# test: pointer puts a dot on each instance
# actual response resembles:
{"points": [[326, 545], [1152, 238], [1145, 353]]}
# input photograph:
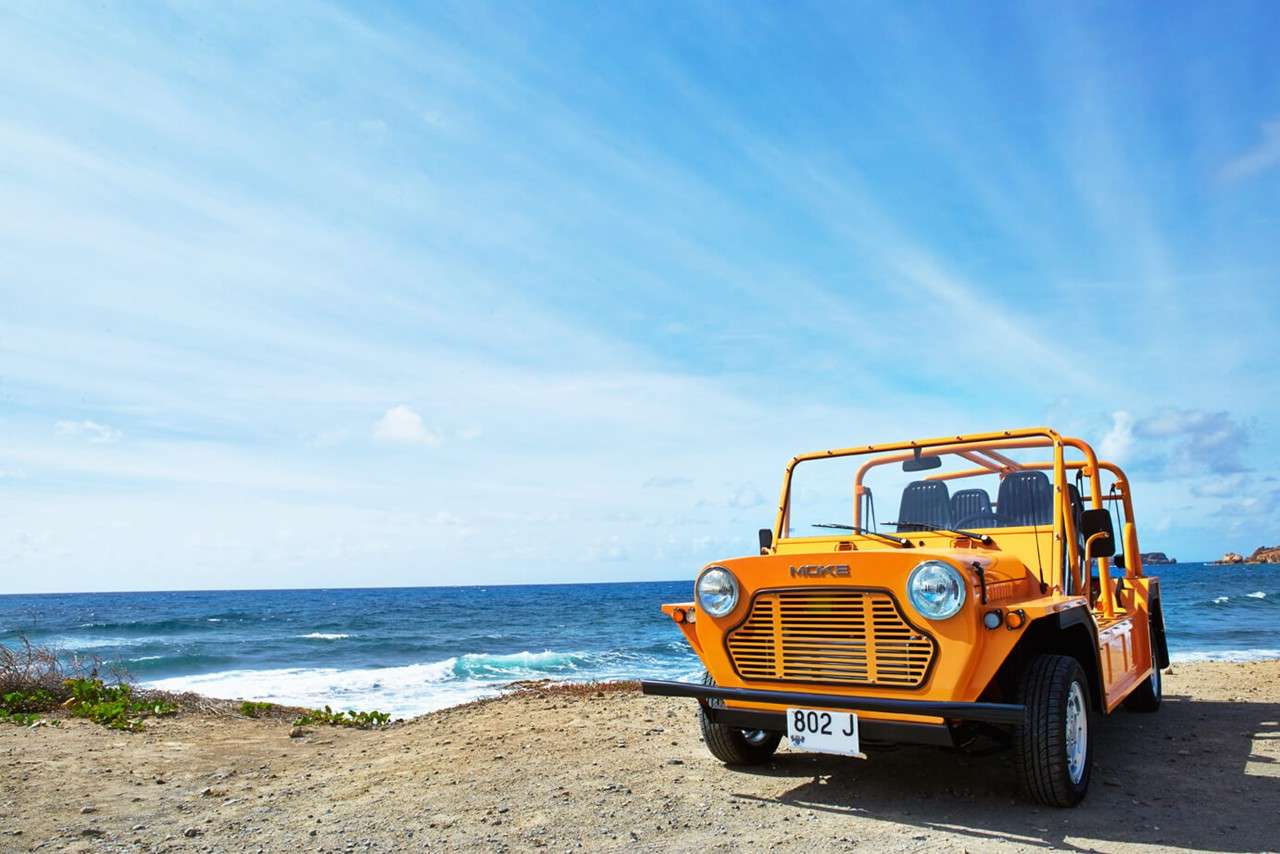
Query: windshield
{"points": [[964, 491]]}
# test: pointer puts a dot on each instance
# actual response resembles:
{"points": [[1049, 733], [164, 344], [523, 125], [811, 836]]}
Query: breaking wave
{"points": [[1232, 655], [403, 690]]}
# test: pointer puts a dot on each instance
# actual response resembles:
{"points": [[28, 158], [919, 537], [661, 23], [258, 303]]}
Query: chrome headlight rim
{"points": [[956, 604], [724, 607]]}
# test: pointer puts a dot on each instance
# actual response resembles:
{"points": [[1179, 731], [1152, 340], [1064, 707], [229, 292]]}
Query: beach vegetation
{"points": [[256, 708], [24, 707], [35, 681], [351, 718], [113, 706]]}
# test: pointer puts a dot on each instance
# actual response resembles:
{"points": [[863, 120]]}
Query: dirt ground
{"points": [[622, 771]]}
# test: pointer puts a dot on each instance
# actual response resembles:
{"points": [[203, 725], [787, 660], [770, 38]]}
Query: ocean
{"points": [[413, 650]]}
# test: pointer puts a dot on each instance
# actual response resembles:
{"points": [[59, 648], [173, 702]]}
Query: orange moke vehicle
{"points": [[997, 601]]}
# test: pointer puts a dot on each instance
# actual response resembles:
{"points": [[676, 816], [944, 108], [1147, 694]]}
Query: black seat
{"points": [[1025, 498], [926, 502], [972, 507]]}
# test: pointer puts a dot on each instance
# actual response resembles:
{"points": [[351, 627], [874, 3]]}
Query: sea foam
{"points": [[404, 690], [1231, 655]]}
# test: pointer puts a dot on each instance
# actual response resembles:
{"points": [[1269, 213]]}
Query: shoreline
{"points": [[485, 691], [605, 767]]}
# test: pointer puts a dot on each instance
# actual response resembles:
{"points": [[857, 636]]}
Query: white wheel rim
{"points": [[1077, 733]]}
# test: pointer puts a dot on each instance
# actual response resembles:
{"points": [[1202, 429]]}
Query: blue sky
{"points": [[313, 295]]}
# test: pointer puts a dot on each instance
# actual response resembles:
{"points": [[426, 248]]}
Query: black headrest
{"points": [[927, 502], [970, 504], [1025, 498]]}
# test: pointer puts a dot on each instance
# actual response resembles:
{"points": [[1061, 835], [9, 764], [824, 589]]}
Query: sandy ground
{"points": [[622, 771]]}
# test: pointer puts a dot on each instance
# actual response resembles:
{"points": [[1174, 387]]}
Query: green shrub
{"points": [[36, 679], [113, 706], [19, 718], [24, 707], [352, 718], [255, 709]]}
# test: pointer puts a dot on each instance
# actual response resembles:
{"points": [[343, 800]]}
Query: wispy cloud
{"points": [[238, 279], [92, 431], [667, 482], [1262, 157]]}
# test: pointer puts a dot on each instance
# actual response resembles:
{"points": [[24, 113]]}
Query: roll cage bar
{"points": [[983, 449]]}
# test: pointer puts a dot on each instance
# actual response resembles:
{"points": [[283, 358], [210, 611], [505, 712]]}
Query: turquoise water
{"points": [[411, 650]]}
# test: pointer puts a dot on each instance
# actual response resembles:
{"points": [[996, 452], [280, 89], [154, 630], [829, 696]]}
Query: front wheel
{"points": [[732, 745], [1053, 746]]}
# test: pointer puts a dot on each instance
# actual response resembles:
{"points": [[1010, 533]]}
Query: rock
{"points": [[675, 761], [93, 831], [192, 832], [139, 827], [85, 810], [297, 732]]}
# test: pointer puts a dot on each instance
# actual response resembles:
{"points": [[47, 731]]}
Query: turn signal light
{"points": [[678, 615], [1015, 619]]}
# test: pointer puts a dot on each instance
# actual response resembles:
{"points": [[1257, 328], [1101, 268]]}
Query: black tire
{"points": [[734, 746], [1054, 768], [1146, 697]]}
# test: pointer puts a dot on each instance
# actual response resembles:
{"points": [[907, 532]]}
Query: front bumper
{"points": [[1005, 714]]}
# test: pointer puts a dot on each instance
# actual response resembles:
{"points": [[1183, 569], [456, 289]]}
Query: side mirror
{"points": [[766, 539], [919, 463], [1098, 522]]}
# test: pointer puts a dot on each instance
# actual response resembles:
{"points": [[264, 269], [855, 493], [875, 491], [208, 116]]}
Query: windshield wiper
{"points": [[925, 526], [906, 544]]}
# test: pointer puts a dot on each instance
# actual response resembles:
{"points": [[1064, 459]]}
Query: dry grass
{"points": [[548, 688], [32, 668]]}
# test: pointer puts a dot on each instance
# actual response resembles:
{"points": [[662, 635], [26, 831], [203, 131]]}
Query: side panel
{"points": [[1126, 646]]}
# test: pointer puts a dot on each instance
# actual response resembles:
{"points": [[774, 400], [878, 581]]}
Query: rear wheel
{"points": [[732, 745], [1146, 697], [1053, 746]]}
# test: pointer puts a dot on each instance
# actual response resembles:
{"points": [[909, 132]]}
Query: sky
{"points": [[310, 295]]}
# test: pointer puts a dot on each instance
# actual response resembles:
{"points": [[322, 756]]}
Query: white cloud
{"points": [[745, 496], [1263, 156], [667, 482], [90, 430], [1196, 440], [1225, 486], [607, 549], [1116, 443], [401, 425]]}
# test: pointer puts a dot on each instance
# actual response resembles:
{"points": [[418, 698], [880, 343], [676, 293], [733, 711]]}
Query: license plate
{"points": [[824, 732]]}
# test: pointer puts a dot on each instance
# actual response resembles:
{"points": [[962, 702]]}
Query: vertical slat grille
{"points": [[831, 635]]}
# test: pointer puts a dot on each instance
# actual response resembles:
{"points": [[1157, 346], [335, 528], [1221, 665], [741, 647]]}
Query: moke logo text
{"points": [[817, 571]]}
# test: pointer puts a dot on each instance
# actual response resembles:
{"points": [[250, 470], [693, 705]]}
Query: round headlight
{"points": [[936, 589], [717, 591]]}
